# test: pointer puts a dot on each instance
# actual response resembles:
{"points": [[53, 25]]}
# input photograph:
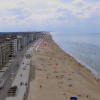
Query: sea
{"points": [[84, 47]]}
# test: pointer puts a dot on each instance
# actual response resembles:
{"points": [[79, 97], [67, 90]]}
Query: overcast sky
{"points": [[50, 15]]}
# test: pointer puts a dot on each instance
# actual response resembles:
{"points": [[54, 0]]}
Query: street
{"points": [[11, 72]]}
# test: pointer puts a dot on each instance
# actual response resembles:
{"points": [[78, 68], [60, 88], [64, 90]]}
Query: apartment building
{"points": [[4, 53], [13, 47], [11, 43]]}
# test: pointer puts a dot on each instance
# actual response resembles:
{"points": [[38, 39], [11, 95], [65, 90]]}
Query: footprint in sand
{"points": [[59, 86], [57, 77], [40, 86], [60, 82], [64, 71], [79, 95], [61, 76], [64, 94], [47, 77], [55, 72], [69, 79], [69, 85]]}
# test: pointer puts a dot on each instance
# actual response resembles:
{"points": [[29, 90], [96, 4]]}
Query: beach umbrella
{"points": [[56, 64]]}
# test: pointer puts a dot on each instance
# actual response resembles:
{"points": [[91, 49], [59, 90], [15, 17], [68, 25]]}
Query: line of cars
{"points": [[2, 72], [12, 90], [2, 81]]}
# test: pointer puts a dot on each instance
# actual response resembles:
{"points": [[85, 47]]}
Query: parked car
{"points": [[2, 70], [12, 91], [2, 83]]}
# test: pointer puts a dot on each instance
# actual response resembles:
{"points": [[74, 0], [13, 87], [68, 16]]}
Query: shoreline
{"points": [[97, 75], [53, 71], [79, 61]]}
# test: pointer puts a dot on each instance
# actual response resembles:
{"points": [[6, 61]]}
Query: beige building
{"points": [[4, 53]]}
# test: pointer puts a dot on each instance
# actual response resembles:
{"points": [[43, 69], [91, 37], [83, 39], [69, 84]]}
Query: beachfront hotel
{"points": [[11, 43]]}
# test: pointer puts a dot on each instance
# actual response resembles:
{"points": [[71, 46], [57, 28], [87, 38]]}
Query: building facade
{"points": [[11, 43], [4, 53]]}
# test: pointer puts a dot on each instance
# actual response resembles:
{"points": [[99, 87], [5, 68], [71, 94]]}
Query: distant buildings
{"points": [[11, 43]]}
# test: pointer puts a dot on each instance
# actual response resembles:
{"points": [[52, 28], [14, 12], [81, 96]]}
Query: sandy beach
{"points": [[55, 75]]}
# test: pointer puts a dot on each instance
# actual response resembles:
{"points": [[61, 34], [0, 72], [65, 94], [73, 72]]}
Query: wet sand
{"points": [[55, 75]]}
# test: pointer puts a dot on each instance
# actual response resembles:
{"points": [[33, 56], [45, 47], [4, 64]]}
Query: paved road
{"points": [[13, 68]]}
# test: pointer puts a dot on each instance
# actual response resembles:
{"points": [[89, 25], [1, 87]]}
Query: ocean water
{"points": [[85, 48]]}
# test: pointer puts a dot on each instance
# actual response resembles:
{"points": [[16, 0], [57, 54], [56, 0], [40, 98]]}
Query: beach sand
{"points": [[55, 75]]}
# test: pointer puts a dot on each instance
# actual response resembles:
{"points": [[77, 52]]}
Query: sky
{"points": [[50, 15]]}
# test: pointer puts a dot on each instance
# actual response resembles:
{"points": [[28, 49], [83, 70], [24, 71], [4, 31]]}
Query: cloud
{"points": [[82, 8], [47, 12]]}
